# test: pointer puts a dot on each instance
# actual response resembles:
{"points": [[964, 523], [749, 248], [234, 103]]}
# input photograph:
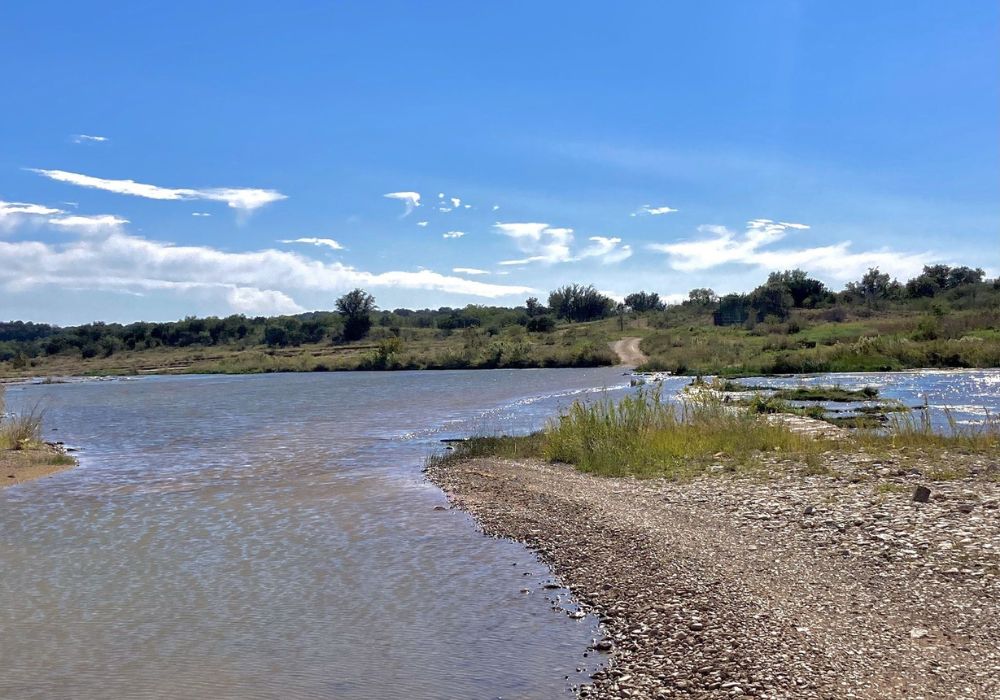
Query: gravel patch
{"points": [[780, 585]]}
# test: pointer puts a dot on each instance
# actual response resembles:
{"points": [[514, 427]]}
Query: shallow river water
{"points": [[272, 537]]}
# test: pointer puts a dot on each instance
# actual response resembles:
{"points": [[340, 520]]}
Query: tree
{"points": [[644, 301], [771, 299], [541, 324], [535, 307], [703, 296], [872, 286], [575, 302], [805, 290], [356, 308]]}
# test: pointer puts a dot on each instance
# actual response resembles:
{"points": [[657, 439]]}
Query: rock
{"points": [[696, 626], [809, 510], [604, 645], [921, 494], [440, 508], [965, 507], [918, 633]]}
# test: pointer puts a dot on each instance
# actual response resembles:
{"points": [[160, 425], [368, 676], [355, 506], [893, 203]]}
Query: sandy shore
{"points": [[794, 586], [18, 466]]}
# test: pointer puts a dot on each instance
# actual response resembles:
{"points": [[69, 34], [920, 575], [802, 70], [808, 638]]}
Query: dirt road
{"points": [[629, 354]]}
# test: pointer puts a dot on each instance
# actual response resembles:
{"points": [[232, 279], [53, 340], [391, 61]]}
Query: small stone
{"points": [[918, 633], [809, 510], [921, 494], [965, 507], [604, 645], [696, 627]]}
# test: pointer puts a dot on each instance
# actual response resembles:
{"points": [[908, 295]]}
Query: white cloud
{"points": [[422, 224], [264, 281], [440, 195], [13, 213], [496, 207], [444, 209], [262, 302], [200, 213], [836, 261], [410, 199], [89, 224], [549, 245], [244, 199], [648, 210], [609, 250], [86, 138], [456, 202], [469, 271], [453, 234], [327, 242]]}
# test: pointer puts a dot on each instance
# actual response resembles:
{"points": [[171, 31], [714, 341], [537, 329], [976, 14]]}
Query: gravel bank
{"points": [[793, 586]]}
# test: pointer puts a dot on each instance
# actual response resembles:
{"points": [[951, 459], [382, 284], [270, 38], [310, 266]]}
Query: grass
{"points": [[570, 345], [23, 453], [894, 340], [644, 436]]}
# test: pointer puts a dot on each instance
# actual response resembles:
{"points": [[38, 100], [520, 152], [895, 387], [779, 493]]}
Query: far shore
{"points": [[850, 582]]}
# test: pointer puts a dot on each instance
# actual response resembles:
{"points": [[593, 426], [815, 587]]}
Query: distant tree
{"points": [[276, 336], [703, 296], [873, 286], [644, 301], [541, 324], [576, 302], [771, 299], [733, 310], [805, 290], [939, 278], [535, 307], [356, 307]]}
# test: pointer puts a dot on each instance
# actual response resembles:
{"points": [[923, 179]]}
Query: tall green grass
{"points": [[643, 435], [21, 430]]}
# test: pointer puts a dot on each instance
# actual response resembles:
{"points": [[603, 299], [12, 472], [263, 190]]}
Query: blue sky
{"points": [[245, 149]]}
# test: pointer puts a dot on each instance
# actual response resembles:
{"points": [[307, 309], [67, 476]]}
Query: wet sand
{"points": [[18, 466]]}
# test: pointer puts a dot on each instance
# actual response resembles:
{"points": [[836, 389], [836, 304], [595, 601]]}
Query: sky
{"points": [[160, 160]]}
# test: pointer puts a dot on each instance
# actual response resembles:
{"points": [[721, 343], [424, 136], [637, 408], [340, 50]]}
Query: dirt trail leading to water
{"points": [[628, 352], [792, 587]]}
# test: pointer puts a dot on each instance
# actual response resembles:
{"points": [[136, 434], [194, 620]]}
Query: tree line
{"points": [[356, 314]]}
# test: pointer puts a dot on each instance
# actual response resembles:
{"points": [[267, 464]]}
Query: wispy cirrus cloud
{"points": [[324, 242], [87, 138], [649, 210], [453, 234], [721, 246], [549, 245], [242, 198], [469, 271], [410, 199]]}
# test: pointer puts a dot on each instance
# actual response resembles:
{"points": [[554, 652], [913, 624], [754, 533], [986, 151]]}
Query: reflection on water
{"points": [[272, 537], [968, 395]]}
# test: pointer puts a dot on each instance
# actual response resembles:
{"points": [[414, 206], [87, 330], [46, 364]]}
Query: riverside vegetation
{"points": [[23, 453], [644, 435], [944, 317]]}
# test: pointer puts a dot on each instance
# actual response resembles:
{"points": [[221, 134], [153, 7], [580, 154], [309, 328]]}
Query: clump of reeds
{"points": [[644, 435], [20, 430]]}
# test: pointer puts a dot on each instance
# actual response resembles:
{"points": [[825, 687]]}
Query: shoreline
{"points": [[790, 586], [37, 462]]}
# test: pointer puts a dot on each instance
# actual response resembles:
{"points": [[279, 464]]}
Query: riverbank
{"points": [[790, 582], [35, 462]]}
